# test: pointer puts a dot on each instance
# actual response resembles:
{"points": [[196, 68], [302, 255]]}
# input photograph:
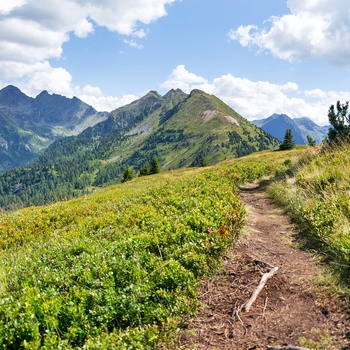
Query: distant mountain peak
{"points": [[173, 92], [13, 96], [29, 125], [196, 91], [11, 88], [153, 93], [277, 124]]}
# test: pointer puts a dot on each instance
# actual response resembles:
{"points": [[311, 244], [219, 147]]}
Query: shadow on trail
{"points": [[256, 187]]}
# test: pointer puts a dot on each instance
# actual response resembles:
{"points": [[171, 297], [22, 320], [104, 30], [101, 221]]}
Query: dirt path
{"points": [[288, 308]]}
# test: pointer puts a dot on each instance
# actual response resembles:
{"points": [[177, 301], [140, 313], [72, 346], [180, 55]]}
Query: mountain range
{"points": [[29, 125], [277, 124], [179, 129]]}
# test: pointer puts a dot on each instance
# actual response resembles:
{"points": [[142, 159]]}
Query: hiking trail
{"points": [[289, 307]]}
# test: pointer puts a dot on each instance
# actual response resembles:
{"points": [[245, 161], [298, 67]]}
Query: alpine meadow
{"points": [[157, 209]]}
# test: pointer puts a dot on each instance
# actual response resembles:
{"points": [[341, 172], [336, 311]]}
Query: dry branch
{"points": [[259, 288], [285, 348]]}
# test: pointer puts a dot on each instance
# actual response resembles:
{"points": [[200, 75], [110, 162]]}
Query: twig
{"points": [[259, 288], [242, 324], [285, 348], [264, 310], [236, 313]]}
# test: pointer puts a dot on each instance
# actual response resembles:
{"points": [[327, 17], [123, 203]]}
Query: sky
{"points": [[259, 56]]}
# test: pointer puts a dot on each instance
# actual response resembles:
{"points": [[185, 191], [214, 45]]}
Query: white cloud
{"points": [[55, 80], [95, 98], [260, 99], [84, 28], [9, 5], [33, 31], [133, 43], [317, 29], [123, 16], [181, 78], [59, 81]]}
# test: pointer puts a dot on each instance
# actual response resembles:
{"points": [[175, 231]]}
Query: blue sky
{"points": [[259, 56]]}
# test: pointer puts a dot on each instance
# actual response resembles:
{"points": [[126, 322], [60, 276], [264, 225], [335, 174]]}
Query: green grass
{"points": [[317, 196], [119, 269]]}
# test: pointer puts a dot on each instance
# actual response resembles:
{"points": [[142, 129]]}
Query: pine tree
{"points": [[128, 174], [203, 162], [288, 142], [145, 170], [311, 142], [339, 120], [155, 167]]}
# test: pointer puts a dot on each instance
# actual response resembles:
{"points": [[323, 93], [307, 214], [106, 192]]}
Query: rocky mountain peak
{"points": [[11, 96]]}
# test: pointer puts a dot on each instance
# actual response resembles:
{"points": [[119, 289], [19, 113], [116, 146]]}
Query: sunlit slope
{"points": [[119, 268], [318, 197], [180, 130]]}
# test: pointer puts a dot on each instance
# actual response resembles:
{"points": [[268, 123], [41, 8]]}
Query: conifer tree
{"points": [[203, 162], [128, 174], [155, 167], [288, 142], [340, 120], [145, 170], [311, 142]]}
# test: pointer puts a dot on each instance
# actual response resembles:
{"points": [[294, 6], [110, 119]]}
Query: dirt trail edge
{"points": [[286, 311]]}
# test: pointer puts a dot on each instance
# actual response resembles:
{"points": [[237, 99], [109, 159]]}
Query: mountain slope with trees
{"points": [[29, 125], [180, 130]]}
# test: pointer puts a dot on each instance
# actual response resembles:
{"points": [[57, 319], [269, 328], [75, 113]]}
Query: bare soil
{"points": [[290, 307]]}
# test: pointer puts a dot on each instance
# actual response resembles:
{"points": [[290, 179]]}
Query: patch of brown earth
{"points": [[288, 307], [210, 114]]}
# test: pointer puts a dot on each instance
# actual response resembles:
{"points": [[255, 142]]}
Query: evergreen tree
{"points": [[128, 174], [288, 142], [145, 170], [311, 142], [155, 167], [340, 120], [203, 162]]}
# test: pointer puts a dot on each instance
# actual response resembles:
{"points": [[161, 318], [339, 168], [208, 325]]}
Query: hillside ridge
{"points": [[173, 128]]}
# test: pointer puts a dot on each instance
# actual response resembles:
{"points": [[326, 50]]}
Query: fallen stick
{"points": [[258, 289], [285, 348]]}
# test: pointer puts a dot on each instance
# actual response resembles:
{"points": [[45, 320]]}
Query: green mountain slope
{"points": [[180, 130]]}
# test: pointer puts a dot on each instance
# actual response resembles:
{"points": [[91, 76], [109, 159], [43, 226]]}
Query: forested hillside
{"points": [[180, 130]]}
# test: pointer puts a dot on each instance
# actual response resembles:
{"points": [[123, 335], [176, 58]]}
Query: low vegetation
{"points": [[317, 195], [118, 268]]}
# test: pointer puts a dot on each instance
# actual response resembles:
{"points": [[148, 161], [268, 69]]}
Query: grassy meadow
{"points": [[317, 195], [119, 268]]}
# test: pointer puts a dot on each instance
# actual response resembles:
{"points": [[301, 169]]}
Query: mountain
{"points": [[277, 124], [29, 125], [308, 127], [180, 130]]}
